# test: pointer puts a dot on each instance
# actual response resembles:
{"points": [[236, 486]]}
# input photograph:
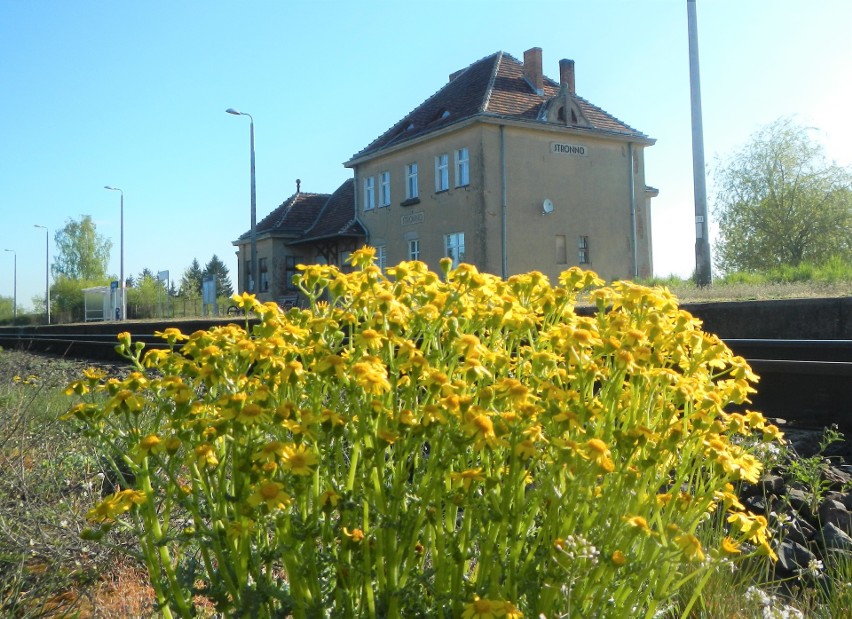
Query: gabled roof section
{"points": [[313, 216], [337, 217], [493, 86]]}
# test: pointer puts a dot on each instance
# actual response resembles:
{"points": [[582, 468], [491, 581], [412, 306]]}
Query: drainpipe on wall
{"points": [[504, 207], [632, 194]]}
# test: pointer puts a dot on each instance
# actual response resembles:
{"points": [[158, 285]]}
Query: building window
{"points": [[369, 193], [411, 190], [381, 257], [462, 167], [414, 249], [384, 189], [583, 244], [264, 274], [289, 272], [561, 249], [454, 247], [442, 172]]}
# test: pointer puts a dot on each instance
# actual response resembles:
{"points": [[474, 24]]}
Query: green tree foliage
{"points": [[66, 298], [147, 296], [217, 269], [6, 308], [190, 282], [780, 202], [81, 253]]}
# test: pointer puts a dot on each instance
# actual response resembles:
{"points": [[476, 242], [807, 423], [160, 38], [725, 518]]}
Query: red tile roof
{"points": [[493, 86], [337, 217], [313, 216]]}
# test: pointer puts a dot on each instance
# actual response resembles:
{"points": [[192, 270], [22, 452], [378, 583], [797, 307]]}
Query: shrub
{"points": [[415, 445]]}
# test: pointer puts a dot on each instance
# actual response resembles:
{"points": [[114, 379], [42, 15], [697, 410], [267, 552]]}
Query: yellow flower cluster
{"points": [[425, 432]]}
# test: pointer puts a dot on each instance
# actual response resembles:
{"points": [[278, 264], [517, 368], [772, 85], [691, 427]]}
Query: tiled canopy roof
{"points": [[494, 86], [313, 216], [337, 217]]}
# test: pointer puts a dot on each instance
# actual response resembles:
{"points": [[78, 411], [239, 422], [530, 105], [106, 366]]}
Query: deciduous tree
{"points": [[81, 253], [779, 201]]}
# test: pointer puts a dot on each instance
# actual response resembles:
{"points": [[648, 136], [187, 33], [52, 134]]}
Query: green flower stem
{"points": [[156, 541]]}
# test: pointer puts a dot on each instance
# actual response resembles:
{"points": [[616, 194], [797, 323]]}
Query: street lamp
{"points": [[121, 275], [254, 270], [46, 269], [15, 285]]}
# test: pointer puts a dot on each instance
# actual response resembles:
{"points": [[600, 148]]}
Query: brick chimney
{"points": [[566, 75], [532, 69]]}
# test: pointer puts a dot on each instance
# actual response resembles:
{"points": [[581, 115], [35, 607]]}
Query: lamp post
{"points": [[254, 270], [46, 269], [14, 285], [121, 274]]}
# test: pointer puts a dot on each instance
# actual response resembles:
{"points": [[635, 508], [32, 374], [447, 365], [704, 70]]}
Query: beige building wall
{"points": [[588, 184]]}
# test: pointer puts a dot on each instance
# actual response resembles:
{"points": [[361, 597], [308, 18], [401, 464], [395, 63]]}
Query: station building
{"points": [[502, 167]]}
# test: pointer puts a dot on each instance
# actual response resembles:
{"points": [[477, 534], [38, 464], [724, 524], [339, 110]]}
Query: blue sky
{"points": [[133, 95]]}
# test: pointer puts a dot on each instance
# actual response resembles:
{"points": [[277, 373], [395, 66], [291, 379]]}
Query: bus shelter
{"points": [[101, 303]]}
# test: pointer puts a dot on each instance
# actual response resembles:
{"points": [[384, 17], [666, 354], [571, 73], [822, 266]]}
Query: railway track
{"points": [[805, 382]]}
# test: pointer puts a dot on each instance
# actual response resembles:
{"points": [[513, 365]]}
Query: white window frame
{"points": [[462, 164], [584, 256], [384, 189], [369, 193], [442, 172], [414, 249], [454, 247], [381, 257], [411, 188]]}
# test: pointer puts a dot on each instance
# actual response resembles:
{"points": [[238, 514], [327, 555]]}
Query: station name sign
{"points": [[413, 218], [558, 148]]}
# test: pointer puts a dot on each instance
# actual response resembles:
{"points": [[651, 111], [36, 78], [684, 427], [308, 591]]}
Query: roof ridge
{"points": [[490, 89], [615, 118], [395, 129], [326, 205]]}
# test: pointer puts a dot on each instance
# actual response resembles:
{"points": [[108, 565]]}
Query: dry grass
{"points": [[688, 293]]}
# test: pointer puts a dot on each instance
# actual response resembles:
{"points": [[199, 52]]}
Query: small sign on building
{"points": [[560, 148]]}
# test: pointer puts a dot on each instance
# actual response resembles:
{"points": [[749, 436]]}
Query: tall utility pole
{"points": [[703, 272], [253, 281]]}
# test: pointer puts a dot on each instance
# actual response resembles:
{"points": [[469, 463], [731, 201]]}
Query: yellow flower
{"points": [[115, 505], [356, 535], [171, 335], [483, 608], [332, 364], [771, 432], [370, 339], [511, 611], [298, 460], [765, 549], [618, 559], [271, 494], [729, 546], [599, 454], [151, 444], [525, 449], [691, 546], [638, 522], [479, 426], [206, 455], [329, 498], [466, 478], [269, 452]]}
